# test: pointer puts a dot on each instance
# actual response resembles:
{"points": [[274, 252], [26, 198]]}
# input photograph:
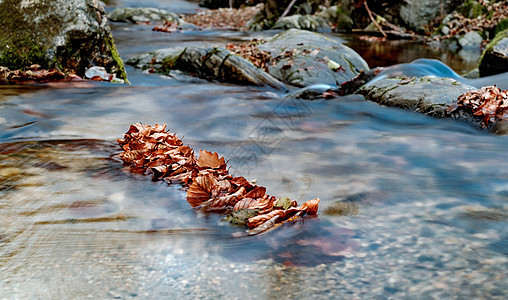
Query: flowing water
{"points": [[412, 206]]}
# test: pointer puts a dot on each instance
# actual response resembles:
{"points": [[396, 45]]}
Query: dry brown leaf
{"points": [[257, 192], [201, 189], [310, 207], [260, 203], [208, 159]]}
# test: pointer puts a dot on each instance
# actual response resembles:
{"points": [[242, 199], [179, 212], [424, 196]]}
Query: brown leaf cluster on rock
{"points": [[34, 74], [154, 151], [489, 103], [224, 18], [250, 51]]}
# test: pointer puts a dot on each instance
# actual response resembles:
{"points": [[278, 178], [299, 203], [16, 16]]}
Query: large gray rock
{"points": [[66, 34], [304, 58], [418, 13], [300, 58], [306, 22], [495, 57], [429, 95], [142, 14], [215, 64]]}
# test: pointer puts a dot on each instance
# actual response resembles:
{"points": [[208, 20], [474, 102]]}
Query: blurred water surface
{"points": [[411, 206]]}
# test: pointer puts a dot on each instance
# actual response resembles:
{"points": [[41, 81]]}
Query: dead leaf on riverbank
{"points": [[224, 18], [33, 74]]}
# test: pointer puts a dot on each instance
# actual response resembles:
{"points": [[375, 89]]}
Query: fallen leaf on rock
{"points": [[489, 103]]}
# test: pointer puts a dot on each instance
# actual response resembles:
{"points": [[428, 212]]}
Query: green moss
{"points": [[502, 25], [25, 45], [499, 36], [16, 56], [170, 62], [118, 66], [472, 9]]}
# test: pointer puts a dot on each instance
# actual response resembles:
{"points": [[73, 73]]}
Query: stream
{"points": [[412, 207]]}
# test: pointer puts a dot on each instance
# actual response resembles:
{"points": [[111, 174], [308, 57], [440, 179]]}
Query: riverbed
{"points": [[412, 207]]}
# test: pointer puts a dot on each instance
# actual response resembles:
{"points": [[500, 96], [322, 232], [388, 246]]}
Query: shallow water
{"points": [[412, 206]]}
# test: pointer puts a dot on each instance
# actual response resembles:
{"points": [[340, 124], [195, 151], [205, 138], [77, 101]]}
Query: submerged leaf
{"points": [[240, 217], [285, 203]]}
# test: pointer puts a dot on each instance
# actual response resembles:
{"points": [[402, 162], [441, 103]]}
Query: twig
{"points": [[285, 13], [388, 24], [373, 20]]}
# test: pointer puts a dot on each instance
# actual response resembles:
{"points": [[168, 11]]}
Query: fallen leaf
{"points": [[208, 159], [201, 189]]}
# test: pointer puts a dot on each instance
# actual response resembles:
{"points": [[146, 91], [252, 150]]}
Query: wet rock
{"points": [[305, 58], [428, 94], [142, 14], [495, 57], [471, 40], [216, 64], [300, 58], [66, 34], [306, 22], [339, 16], [417, 14], [273, 10]]}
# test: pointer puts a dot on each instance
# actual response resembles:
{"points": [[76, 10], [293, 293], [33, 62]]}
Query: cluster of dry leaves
{"points": [[34, 73], [488, 103], [168, 26], [461, 25], [153, 151], [224, 18], [250, 51]]}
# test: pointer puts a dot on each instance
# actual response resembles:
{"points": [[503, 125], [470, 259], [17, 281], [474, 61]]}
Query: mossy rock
{"points": [[494, 59], [71, 35], [472, 9], [213, 64], [502, 25]]}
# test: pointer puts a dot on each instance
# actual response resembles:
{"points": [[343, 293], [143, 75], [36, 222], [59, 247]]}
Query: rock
{"points": [[445, 30], [494, 59], [67, 34], [471, 9], [142, 14], [304, 58], [273, 9], [306, 22], [300, 58], [216, 64], [427, 94], [214, 4], [417, 14], [471, 40], [337, 15]]}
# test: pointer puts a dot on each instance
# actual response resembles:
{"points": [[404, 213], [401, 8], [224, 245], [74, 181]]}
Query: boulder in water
{"points": [[297, 57], [303, 58], [66, 34], [142, 14]]}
